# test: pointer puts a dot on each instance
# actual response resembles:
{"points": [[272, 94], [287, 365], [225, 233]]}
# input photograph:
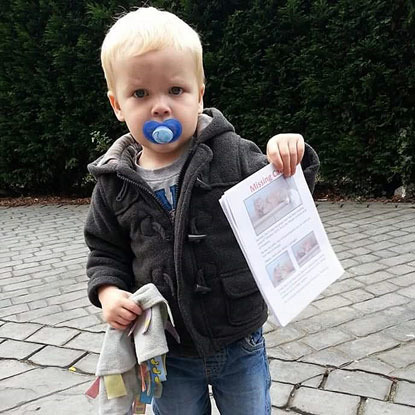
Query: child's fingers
{"points": [[286, 156], [121, 321], [131, 306], [126, 315], [273, 155], [117, 326], [300, 149], [292, 157]]}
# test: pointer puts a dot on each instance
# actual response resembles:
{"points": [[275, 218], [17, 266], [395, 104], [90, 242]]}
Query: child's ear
{"points": [[115, 106], [201, 93]]}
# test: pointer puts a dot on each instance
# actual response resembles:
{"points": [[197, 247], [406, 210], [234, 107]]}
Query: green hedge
{"points": [[339, 72]]}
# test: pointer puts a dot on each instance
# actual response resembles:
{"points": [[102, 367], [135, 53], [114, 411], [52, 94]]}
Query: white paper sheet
{"points": [[284, 242]]}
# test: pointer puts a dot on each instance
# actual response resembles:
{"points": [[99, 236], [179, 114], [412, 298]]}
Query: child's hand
{"points": [[118, 309], [285, 151]]}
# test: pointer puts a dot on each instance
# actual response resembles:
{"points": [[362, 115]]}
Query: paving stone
{"points": [[34, 305], [36, 384], [358, 295], [90, 342], [296, 349], [340, 287], [12, 349], [368, 345], [371, 364], [306, 313], [65, 298], [10, 368], [368, 268], [67, 402], [53, 335], [34, 314], [13, 309], [82, 322], [280, 394], [399, 357], [403, 269], [18, 331], [278, 411], [327, 338], [282, 335], [381, 288], [333, 302], [381, 303], [405, 394], [374, 278], [402, 313], [328, 319], [99, 328], [5, 303], [328, 357], [397, 260], [408, 291], [13, 295], [374, 407], [56, 356], [314, 382], [320, 402], [61, 317], [405, 374], [268, 327], [356, 236], [278, 353], [88, 364], [35, 296], [294, 372], [369, 325], [358, 383], [404, 332], [404, 280], [80, 303]]}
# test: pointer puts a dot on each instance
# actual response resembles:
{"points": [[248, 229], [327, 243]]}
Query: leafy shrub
{"points": [[341, 73]]}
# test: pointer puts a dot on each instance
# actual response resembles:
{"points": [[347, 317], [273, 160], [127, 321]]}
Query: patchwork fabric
{"points": [[132, 363]]}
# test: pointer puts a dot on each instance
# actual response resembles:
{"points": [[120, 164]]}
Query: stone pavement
{"points": [[351, 352]]}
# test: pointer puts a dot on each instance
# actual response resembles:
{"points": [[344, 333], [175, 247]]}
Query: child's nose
{"points": [[161, 108]]}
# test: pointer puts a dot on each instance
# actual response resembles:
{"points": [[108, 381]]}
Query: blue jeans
{"points": [[239, 375]]}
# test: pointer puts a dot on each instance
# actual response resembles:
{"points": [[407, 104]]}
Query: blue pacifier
{"points": [[162, 132]]}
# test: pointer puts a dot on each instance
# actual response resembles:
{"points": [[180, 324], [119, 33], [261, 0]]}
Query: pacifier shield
{"points": [[164, 132]]}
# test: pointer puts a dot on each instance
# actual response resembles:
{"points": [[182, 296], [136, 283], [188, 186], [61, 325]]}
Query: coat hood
{"points": [[211, 123]]}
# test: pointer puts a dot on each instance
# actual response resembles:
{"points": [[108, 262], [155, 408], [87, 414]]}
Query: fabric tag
{"points": [[147, 320], [133, 326], [158, 390], [170, 328], [143, 376], [139, 407], [93, 390], [158, 371], [114, 384], [145, 398], [142, 322]]}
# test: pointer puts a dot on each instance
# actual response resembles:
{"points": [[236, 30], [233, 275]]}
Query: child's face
{"points": [[157, 86]]}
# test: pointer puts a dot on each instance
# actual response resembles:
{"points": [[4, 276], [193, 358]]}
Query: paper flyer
{"points": [[283, 239]]}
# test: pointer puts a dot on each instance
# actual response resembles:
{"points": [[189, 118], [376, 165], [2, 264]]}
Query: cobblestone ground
{"points": [[351, 352]]}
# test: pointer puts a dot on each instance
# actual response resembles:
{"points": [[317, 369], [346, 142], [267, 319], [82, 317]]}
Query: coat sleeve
{"points": [[310, 165], [110, 258]]}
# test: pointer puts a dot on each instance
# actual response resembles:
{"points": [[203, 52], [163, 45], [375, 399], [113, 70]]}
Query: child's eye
{"points": [[176, 90], [140, 93]]}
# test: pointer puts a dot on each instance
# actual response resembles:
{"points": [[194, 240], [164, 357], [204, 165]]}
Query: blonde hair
{"points": [[148, 29]]}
